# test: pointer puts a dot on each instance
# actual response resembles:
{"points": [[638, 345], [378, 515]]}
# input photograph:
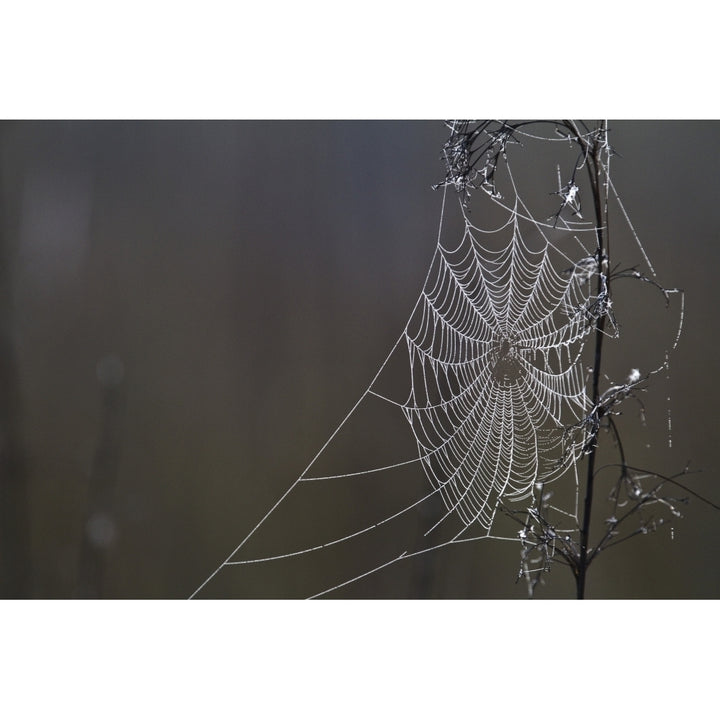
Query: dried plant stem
{"points": [[594, 166]]}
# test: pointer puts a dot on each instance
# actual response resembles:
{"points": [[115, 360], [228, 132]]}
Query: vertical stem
{"points": [[100, 525], [603, 285]]}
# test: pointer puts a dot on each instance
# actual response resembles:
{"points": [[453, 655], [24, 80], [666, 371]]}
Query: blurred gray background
{"points": [[188, 309]]}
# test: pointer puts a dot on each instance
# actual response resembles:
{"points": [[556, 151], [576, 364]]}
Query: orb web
{"points": [[492, 363], [494, 347]]}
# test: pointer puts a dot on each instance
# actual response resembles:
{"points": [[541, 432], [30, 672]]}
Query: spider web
{"points": [[494, 347], [492, 362]]}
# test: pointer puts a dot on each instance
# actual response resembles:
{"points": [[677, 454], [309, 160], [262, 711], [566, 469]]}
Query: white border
{"points": [[388, 59], [352, 659]]}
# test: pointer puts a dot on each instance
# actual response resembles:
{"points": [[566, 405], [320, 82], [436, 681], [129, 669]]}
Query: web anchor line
{"points": [[302, 478]]}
